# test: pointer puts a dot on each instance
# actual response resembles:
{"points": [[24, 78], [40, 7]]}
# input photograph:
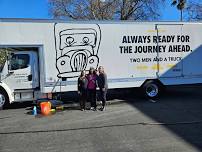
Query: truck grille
{"points": [[79, 62]]}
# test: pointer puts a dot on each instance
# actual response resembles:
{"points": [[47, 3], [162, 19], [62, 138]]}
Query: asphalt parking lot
{"points": [[173, 123]]}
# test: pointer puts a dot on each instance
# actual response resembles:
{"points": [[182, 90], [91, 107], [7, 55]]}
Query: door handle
{"points": [[29, 77]]}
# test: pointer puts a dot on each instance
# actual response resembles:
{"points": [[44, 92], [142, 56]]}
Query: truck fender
{"points": [[8, 91]]}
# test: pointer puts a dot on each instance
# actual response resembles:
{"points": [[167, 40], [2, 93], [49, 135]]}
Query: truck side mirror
{"points": [[9, 67]]}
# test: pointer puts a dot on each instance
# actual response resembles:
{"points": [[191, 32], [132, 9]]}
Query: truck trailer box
{"points": [[47, 56]]}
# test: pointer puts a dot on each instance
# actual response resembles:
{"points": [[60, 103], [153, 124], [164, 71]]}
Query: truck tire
{"points": [[151, 89], [4, 101]]}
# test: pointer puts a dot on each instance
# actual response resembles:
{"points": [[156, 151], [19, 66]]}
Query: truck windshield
{"points": [[2, 58]]}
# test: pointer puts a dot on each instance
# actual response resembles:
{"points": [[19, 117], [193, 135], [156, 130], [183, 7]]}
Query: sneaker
{"points": [[82, 110], [91, 108], [102, 108], [94, 109]]}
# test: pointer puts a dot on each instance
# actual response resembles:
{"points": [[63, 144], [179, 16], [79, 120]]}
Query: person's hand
{"points": [[103, 89], [79, 92]]}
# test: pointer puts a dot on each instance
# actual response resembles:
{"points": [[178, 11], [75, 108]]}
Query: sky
{"points": [[38, 9]]}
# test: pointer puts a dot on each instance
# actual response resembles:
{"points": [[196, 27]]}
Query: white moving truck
{"points": [[40, 57]]}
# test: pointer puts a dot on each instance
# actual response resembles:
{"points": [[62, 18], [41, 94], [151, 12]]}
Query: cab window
{"points": [[19, 61]]}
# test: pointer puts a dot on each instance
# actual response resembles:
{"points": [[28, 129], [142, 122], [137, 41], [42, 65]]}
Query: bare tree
{"points": [[82, 9], [138, 9], [105, 9], [194, 10]]}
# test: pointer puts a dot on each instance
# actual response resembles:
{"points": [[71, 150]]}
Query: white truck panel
{"points": [[128, 51]]}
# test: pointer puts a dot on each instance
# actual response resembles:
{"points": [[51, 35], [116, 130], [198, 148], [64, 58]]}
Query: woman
{"points": [[103, 86], [91, 87], [82, 90]]}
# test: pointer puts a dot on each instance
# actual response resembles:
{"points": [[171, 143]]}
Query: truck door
{"points": [[169, 57], [23, 69]]}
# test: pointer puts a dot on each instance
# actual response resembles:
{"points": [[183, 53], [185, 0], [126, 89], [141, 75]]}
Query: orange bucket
{"points": [[45, 108]]}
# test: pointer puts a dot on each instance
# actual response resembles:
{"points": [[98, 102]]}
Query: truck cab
{"points": [[19, 75]]}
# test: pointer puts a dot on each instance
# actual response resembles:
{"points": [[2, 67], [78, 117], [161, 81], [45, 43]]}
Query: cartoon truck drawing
{"points": [[76, 48]]}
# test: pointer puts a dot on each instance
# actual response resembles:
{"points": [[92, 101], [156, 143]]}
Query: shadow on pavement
{"points": [[177, 105], [23, 105]]}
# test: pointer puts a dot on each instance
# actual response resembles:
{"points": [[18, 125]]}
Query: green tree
{"points": [[180, 4], [2, 58]]}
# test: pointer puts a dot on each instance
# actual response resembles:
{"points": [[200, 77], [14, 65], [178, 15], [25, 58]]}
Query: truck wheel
{"points": [[151, 89], [3, 100]]}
